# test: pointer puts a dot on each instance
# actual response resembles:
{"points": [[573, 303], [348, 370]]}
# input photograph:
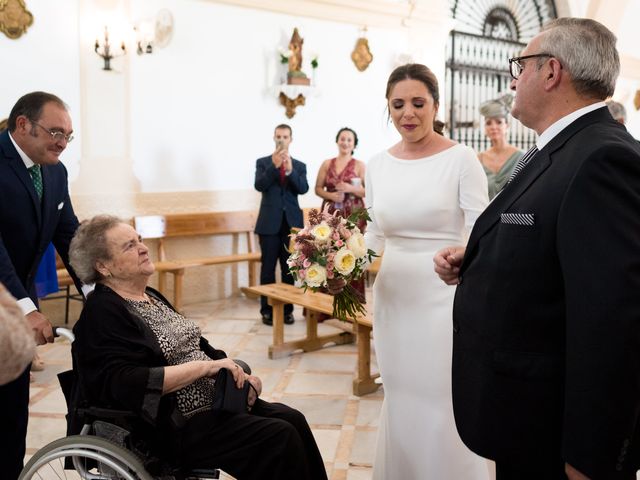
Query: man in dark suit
{"points": [[280, 179], [34, 210], [546, 321]]}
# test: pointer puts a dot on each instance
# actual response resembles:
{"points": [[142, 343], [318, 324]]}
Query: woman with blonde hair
{"points": [[500, 158]]}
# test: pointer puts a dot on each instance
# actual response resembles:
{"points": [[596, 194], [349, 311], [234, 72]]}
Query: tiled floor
{"points": [[316, 383]]}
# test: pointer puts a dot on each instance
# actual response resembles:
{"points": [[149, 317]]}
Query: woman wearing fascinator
{"points": [[498, 160]]}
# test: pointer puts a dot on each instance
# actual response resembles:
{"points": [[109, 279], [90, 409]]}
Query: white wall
{"points": [[46, 58], [195, 115], [627, 86], [205, 106]]}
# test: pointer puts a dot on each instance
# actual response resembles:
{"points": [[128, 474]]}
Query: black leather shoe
{"points": [[267, 319], [288, 319]]}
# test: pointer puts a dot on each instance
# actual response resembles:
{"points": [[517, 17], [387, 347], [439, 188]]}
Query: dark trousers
{"points": [[275, 248], [14, 415], [534, 470], [272, 442]]}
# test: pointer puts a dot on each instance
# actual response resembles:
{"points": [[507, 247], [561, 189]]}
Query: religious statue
{"points": [[295, 47], [296, 76]]}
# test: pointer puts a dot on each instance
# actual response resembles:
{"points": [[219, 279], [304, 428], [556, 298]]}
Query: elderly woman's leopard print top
{"points": [[179, 340]]}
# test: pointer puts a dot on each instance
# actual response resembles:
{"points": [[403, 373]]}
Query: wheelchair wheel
{"points": [[93, 458]]}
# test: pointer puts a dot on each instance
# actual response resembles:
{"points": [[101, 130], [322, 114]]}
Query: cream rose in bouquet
{"points": [[329, 253]]}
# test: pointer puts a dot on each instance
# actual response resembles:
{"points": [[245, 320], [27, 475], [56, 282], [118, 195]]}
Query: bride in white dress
{"points": [[424, 192]]}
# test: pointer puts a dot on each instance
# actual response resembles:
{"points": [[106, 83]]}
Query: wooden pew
{"points": [[281, 293], [185, 225]]}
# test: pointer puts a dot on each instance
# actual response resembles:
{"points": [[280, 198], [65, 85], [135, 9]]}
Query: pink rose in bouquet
{"points": [[329, 253]]}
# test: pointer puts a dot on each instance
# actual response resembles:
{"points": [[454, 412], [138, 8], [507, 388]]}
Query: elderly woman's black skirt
{"points": [[272, 442]]}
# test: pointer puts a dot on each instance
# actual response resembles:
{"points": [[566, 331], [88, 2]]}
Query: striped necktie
{"points": [[36, 176], [523, 162]]}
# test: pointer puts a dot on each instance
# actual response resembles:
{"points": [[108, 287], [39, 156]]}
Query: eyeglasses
{"points": [[57, 136], [515, 67]]}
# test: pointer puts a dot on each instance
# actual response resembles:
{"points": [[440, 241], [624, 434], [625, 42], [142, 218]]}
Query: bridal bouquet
{"points": [[329, 253]]}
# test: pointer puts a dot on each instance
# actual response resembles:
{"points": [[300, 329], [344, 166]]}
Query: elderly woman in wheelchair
{"points": [[134, 352]]}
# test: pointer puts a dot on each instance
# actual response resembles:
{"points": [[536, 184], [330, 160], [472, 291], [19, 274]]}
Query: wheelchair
{"points": [[102, 450]]}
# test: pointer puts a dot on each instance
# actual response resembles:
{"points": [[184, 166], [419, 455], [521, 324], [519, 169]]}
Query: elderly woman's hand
{"points": [[234, 368], [255, 391], [213, 367]]}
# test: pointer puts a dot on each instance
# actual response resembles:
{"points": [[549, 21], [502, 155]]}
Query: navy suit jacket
{"points": [[278, 199], [546, 321], [27, 226]]}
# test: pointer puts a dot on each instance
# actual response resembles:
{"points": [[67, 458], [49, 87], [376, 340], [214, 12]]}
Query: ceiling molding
{"points": [[372, 13]]}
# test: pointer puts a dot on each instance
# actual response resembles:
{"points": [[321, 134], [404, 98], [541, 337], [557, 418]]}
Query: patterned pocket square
{"points": [[527, 219]]}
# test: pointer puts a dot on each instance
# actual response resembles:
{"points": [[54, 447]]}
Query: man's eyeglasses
{"points": [[57, 136], [515, 67]]}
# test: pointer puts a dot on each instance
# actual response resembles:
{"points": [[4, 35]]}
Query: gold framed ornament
{"points": [[290, 104], [361, 55], [14, 18]]}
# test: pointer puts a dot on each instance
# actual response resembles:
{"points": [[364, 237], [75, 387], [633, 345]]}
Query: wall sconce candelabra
{"points": [[144, 47], [104, 50], [144, 37]]}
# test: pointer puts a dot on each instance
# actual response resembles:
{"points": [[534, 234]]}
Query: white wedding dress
{"points": [[418, 207]]}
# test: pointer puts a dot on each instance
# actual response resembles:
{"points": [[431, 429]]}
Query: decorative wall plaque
{"points": [[290, 104], [14, 18], [361, 54]]}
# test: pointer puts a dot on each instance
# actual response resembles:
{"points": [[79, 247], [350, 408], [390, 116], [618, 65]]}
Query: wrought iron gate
{"points": [[477, 67]]}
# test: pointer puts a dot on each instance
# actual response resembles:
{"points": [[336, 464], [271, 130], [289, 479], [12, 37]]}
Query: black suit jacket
{"points": [[277, 198], [27, 226], [546, 354]]}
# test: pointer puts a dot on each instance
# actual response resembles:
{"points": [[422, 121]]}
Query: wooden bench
{"points": [[281, 293], [186, 225]]}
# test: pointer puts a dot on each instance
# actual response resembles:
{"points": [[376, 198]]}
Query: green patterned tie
{"points": [[36, 176]]}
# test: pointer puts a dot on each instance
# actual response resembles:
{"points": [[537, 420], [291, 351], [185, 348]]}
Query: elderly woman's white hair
{"points": [[89, 245]]}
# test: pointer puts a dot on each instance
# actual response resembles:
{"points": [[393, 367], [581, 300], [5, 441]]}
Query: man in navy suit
{"points": [[34, 210], [280, 179], [546, 320]]}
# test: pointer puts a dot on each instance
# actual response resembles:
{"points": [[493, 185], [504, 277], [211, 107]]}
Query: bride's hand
{"points": [[336, 285]]}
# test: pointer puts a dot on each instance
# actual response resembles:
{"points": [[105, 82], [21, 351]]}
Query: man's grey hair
{"points": [[89, 245], [587, 50], [617, 111]]}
